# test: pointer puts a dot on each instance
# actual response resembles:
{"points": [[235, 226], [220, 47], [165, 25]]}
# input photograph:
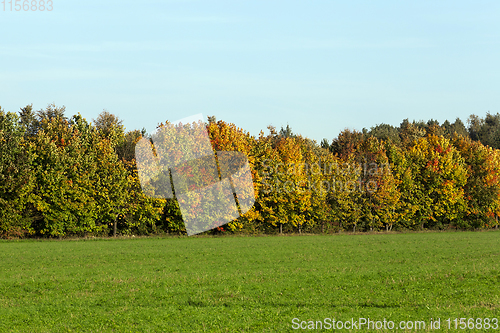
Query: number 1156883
{"points": [[27, 5], [472, 323]]}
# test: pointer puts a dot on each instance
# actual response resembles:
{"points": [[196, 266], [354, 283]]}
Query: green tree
{"points": [[385, 132], [110, 127], [486, 130], [51, 112], [410, 132], [16, 177], [64, 171], [346, 197], [457, 128], [286, 132]]}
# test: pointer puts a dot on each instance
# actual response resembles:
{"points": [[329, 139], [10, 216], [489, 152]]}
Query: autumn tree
{"points": [[482, 188], [438, 175], [346, 143], [226, 137]]}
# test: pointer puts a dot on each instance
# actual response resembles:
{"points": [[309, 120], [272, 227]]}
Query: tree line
{"points": [[65, 176]]}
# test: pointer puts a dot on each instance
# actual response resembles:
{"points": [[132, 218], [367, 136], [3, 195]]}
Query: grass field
{"points": [[246, 284]]}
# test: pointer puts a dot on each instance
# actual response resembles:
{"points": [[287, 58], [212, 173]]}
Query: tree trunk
{"points": [[114, 226], [322, 226], [281, 228]]}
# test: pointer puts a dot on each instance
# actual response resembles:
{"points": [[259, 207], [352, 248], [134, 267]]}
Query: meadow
{"points": [[247, 284]]}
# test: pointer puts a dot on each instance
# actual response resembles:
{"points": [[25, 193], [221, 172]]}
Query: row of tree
{"points": [[63, 176]]}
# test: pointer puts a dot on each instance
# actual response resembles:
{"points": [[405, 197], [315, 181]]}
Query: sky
{"points": [[319, 66]]}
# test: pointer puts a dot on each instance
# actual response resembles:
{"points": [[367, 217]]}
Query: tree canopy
{"points": [[63, 176]]}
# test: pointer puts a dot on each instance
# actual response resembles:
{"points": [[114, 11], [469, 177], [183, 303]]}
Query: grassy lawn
{"points": [[246, 284]]}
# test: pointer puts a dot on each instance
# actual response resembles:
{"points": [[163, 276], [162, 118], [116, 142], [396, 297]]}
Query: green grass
{"points": [[245, 284]]}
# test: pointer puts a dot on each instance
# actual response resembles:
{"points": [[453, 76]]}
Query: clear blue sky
{"points": [[320, 65]]}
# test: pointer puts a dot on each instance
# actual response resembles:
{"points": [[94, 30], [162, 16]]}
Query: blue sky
{"points": [[320, 66]]}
